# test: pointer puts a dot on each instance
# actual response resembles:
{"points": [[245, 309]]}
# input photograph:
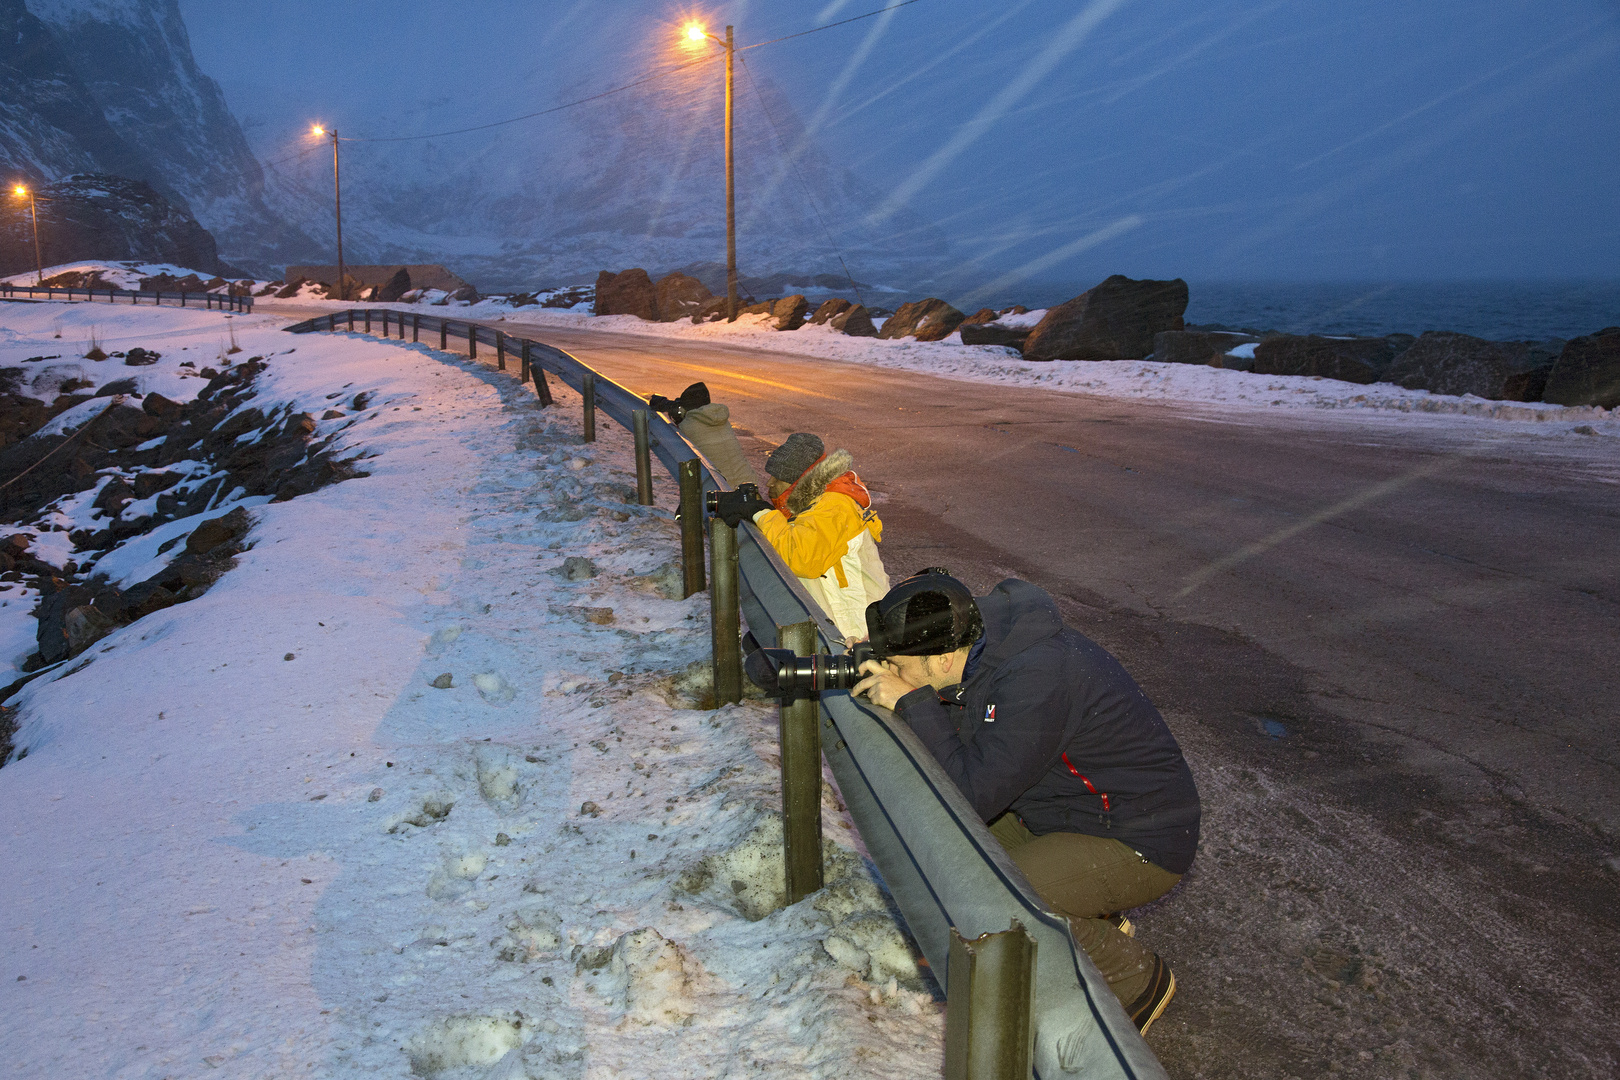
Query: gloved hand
{"points": [[672, 409], [732, 507]]}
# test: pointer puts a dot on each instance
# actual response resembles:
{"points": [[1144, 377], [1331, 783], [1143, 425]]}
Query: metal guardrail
{"points": [[208, 300], [937, 858]]}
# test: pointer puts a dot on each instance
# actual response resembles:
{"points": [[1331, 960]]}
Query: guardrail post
{"points": [[444, 336], [724, 620], [368, 320], [351, 320], [385, 322], [500, 351], [990, 995], [416, 327], [690, 516], [541, 386], [588, 392], [638, 424], [799, 743], [523, 363], [182, 298], [472, 341]]}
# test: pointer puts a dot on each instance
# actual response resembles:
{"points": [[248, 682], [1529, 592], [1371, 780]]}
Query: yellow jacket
{"points": [[816, 541]]}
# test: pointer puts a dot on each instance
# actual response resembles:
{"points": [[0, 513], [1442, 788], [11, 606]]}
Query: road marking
{"points": [[749, 378]]}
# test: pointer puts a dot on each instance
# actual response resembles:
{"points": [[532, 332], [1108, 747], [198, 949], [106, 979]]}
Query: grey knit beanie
{"points": [[794, 457]]}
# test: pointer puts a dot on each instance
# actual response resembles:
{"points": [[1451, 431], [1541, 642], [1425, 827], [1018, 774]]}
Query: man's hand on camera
{"points": [[745, 505], [882, 686]]}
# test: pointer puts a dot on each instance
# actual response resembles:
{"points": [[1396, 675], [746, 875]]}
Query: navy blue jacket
{"points": [[1049, 725]]}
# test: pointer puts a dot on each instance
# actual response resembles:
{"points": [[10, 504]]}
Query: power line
{"points": [[619, 89], [793, 164]]}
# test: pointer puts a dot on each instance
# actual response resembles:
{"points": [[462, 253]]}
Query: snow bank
{"points": [[400, 795]]}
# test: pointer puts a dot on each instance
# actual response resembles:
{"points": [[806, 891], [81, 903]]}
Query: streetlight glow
{"points": [[695, 32], [317, 130], [19, 191]]}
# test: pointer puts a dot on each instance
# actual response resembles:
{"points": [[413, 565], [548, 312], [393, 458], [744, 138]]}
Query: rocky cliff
{"points": [[110, 86]]}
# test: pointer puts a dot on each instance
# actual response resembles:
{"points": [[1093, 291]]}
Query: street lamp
{"points": [[696, 34], [337, 201], [33, 205]]}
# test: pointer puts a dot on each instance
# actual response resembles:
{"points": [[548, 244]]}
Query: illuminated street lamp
{"points": [[39, 264], [337, 200], [696, 34]]}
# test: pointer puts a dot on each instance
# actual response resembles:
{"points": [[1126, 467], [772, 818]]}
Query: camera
{"points": [[790, 677], [732, 505]]}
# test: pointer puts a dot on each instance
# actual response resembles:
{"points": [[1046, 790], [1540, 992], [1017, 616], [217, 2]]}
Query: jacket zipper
{"points": [[1086, 781]]}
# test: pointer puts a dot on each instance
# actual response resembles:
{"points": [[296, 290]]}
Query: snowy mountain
{"points": [[111, 86], [636, 180]]}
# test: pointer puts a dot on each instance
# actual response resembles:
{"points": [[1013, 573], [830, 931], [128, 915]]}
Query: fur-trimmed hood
{"points": [[813, 484]]}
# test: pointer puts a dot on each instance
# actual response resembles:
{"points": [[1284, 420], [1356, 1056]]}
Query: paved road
{"points": [[1388, 644]]}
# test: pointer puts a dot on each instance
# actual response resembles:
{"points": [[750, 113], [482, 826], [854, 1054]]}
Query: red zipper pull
{"points": [[1084, 780]]}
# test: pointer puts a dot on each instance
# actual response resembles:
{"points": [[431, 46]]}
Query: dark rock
{"points": [[926, 320], [291, 289], [831, 306], [442, 682], [1190, 347], [395, 287], [116, 387], [466, 293], [1356, 360], [980, 334], [20, 417], [576, 568], [982, 316], [764, 308], [85, 625], [143, 599], [855, 322], [161, 408], [1447, 363], [630, 292], [1587, 371], [240, 424], [712, 310], [331, 414], [148, 484], [789, 312], [124, 425], [52, 613], [1114, 320], [113, 497], [139, 357], [677, 296], [216, 531], [567, 298]]}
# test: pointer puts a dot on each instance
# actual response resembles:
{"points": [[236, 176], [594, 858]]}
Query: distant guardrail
{"points": [[937, 858], [179, 298]]}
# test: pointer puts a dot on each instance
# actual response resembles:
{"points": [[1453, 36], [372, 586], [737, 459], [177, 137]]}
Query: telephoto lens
{"points": [[790, 677]]}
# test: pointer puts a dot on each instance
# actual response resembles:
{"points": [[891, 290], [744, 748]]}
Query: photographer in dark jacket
{"points": [[1057, 749]]}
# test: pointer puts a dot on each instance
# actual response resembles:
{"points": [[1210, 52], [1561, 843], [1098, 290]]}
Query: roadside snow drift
{"points": [[425, 785]]}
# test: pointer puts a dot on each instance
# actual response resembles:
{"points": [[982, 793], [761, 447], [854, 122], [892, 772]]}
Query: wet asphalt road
{"points": [[1390, 647]]}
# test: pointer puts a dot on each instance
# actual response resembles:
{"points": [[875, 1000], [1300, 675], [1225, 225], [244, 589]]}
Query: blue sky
{"points": [[1060, 139]]}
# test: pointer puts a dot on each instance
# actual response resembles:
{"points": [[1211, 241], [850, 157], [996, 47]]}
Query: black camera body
{"points": [[732, 504], [789, 677]]}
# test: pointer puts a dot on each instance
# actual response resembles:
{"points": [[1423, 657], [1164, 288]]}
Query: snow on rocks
{"points": [[553, 866]]}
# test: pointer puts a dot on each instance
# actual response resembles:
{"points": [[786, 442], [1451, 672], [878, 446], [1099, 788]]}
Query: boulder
{"points": [[981, 334], [162, 408], [1448, 363], [1587, 371], [118, 386], [1356, 360], [677, 296], [395, 287], [124, 425], [855, 322], [216, 531], [766, 307], [830, 307], [467, 294], [630, 292], [1195, 347], [982, 316], [1114, 320], [789, 312], [926, 320], [139, 357], [712, 310]]}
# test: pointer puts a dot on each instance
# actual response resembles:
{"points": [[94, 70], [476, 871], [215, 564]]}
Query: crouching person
{"points": [[1058, 750], [707, 426], [821, 523]]}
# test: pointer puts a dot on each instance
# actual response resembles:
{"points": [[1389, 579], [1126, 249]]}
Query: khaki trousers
{"points": [[1086, 878]]}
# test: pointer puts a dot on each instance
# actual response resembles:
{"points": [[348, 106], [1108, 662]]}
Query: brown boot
{"points": [[1149, 1006]]}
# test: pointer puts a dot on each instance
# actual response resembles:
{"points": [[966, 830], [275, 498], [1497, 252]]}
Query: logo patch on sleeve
{"points": [[990, 713]]}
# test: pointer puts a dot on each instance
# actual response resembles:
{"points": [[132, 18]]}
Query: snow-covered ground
{"points": [[1138, 379], [400, 795]]}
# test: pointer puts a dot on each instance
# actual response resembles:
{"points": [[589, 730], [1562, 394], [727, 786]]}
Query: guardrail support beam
{"points": [[416, 326], [638, 423], [444, 332], [989, 1001], [799, 742], [523, 362], [588, 392], [691, 518], [472, 341], [724, 620], [500, 351]]}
